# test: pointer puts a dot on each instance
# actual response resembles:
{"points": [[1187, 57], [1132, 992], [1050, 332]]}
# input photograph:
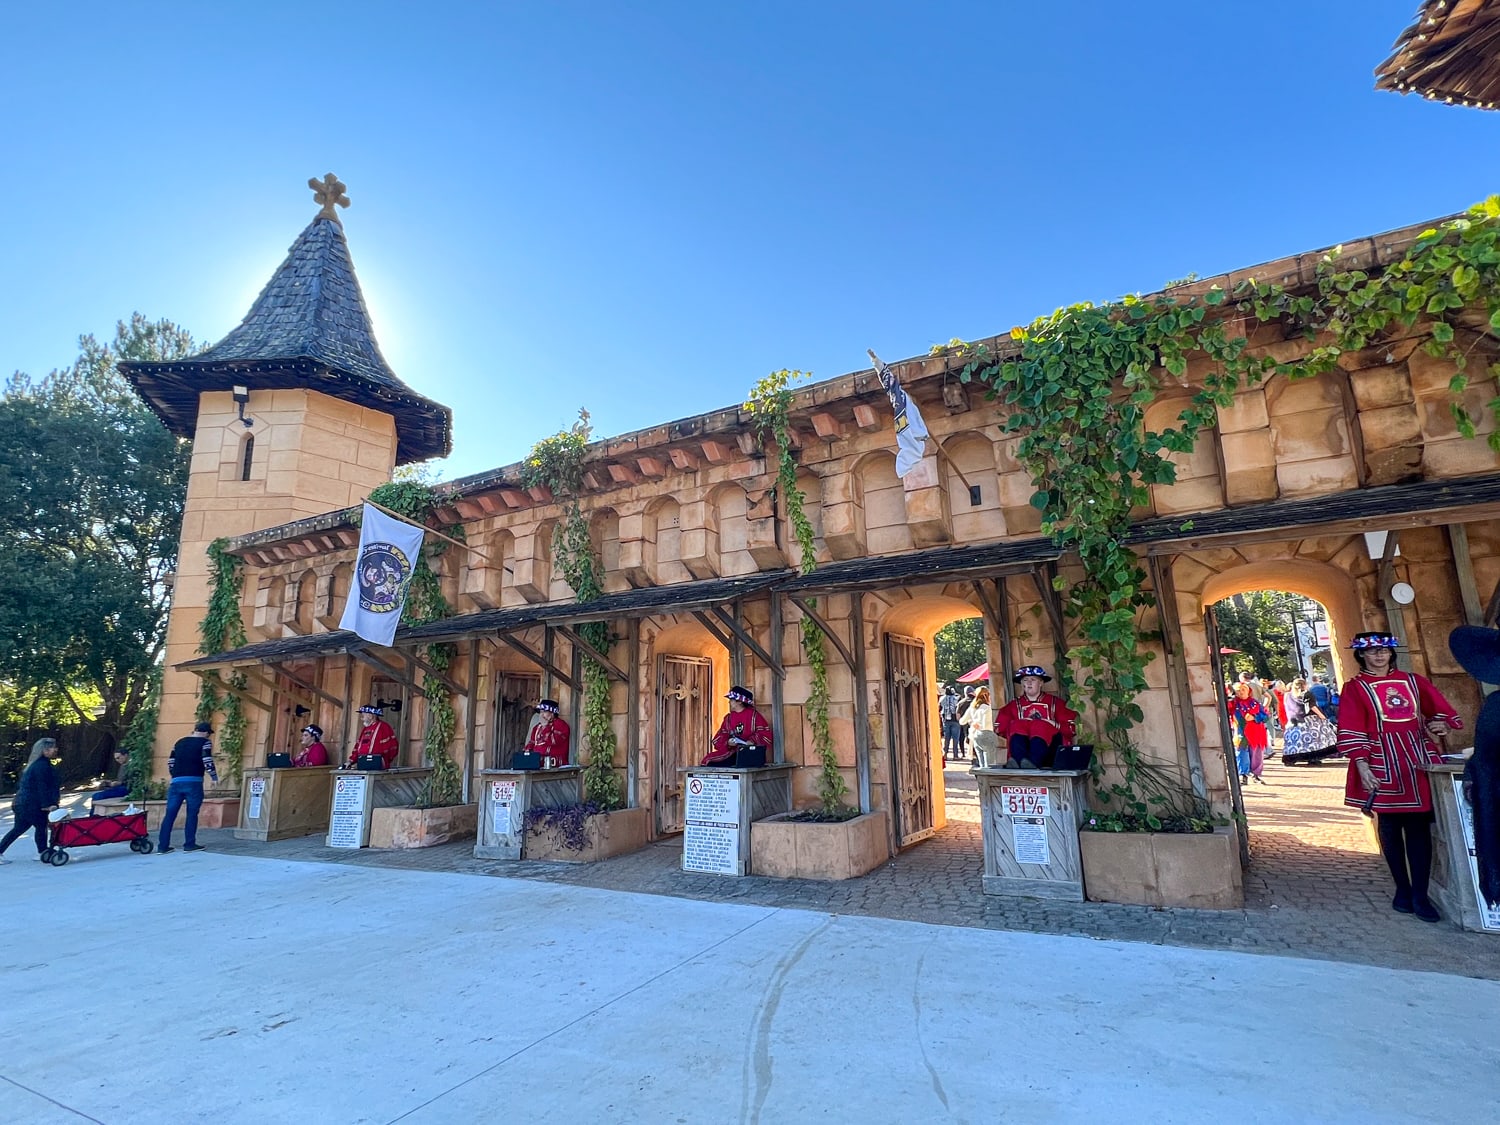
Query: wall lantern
{"points": [[241, 397]]}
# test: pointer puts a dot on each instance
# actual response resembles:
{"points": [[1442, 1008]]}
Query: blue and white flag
{"points": [[911, 431], [382, 572]]}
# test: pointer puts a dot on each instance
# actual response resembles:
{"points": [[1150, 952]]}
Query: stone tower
{"points": [[292, 414]]}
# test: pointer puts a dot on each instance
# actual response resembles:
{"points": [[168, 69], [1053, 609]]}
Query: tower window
{"points": [[249, 457]]}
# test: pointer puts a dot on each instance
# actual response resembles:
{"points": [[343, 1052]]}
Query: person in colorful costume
{"points": [[377, 737], [551, 737], [1478, 650], [1247, 715], [1035, 723], [744, 731], [314, 753], [1388, 720]]}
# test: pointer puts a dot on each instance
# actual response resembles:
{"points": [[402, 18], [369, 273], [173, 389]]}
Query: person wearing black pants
{"points": [[1406, 843], [38, 793]]}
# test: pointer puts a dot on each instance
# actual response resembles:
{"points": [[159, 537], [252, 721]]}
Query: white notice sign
{"points": [[346, 830], [502, 796], [1025, 800], [711, 833], [1488, 918], [257, 794], [349, 794], [1029, 834]]}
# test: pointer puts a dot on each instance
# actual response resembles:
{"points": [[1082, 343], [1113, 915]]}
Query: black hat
{"points": [[1478, 650], [1032, 670], [740, 695], [549, 706], [372, 710], [202, 728], [314, 730]]}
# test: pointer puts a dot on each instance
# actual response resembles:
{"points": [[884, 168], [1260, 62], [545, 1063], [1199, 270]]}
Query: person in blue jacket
{"points": [[38, 793]]}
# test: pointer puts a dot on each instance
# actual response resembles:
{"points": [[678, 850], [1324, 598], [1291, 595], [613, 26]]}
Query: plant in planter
{"points": [[565, 825]]}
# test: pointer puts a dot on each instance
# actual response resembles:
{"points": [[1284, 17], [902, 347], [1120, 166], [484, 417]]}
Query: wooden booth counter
{"points": [[1455, 875], [504, 797], [720, 803], [277, 804], [1030, 820], [356, 792]]}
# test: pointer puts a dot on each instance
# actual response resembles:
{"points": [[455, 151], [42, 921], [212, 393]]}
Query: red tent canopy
{"points": [[974, 676]]}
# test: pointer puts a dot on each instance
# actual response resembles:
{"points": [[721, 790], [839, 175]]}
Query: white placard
{"points": [[1489, 920], [711, 829], [503, 791], [345, 830], [1029, 834], [349, 794], [257, 793], [1026, 800]]}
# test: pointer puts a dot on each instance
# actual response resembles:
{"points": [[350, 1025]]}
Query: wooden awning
{"points": [[1450, 53]]}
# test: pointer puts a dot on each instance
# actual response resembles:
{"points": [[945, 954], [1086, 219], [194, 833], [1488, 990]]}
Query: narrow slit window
{"points": [[248, 458]]}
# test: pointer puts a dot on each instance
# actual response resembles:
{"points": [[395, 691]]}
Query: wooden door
{"points": [[516, 697], [684, 706], [1226, 732], [911, 740], [296, 707]]}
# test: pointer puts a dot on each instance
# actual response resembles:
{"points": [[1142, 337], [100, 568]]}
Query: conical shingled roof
{"points": [[309, 328]]}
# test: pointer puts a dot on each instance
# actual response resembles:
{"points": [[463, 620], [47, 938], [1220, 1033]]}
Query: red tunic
{"points": [[551, 740], [1382, 721], [749, 725], [1048, 717], [1248, 717], [313, 754], [377, 738]]}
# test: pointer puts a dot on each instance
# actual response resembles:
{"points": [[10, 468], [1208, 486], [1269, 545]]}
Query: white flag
{"points": [[382, 572], [911, 431]]}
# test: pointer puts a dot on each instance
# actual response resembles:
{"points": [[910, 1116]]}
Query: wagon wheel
{"points": [[59, 857], [146, 846], [135, 846], [47, 853]]}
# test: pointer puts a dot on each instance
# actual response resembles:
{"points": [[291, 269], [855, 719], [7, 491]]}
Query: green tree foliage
{"points": [[959, 646], [91, 493], [1260, 624]]}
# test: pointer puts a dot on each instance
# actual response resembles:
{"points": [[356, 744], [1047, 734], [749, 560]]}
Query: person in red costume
{"points": [[1388, 721], [550, 737], [744, 731], [377, 737], [314, 753], [1035, 723]]}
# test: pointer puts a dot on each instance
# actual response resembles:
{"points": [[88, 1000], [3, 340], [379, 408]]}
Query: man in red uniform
{"points": [[744, 737], [551, 736], [377, 737], [1035, 723]]}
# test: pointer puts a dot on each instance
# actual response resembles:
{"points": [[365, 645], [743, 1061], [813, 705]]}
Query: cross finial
{"points": [[328, 191]]}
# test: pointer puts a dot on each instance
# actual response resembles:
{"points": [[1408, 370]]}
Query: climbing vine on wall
{"points": [[556, 463], [425, 603], [222, 629], [769, 403], [1078, 387]]}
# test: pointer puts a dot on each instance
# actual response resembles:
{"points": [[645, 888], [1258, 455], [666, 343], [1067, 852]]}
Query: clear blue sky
{"points": [[643, 208]]}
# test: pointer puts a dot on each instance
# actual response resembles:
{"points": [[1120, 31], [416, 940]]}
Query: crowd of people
{"points": [[1301, 713]]}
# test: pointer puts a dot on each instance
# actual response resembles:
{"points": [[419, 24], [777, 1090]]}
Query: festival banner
{"points": [[911, 431], [382, 572]]}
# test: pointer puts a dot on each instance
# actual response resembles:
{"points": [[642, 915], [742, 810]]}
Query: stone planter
{"points": [[1199, 870], [609, 834], [799, 849], [406, 826]]}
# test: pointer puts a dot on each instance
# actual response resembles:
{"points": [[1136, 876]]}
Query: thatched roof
{"points": [[1451, 54]]}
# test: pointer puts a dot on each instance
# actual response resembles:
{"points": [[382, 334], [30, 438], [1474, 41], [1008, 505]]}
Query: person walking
{"points": [[191, 758], [1248, 718], [978, 718], [952, 730], [36, 795]]}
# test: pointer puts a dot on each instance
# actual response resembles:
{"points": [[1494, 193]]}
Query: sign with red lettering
{"points": [[1025, 800]]}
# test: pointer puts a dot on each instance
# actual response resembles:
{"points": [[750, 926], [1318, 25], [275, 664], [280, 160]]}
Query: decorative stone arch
{"points": [[1199, 486], [689, 671], [482, 580], [973, 453], [728, 509], [604, 536], [811, 487], [297, 610], [883, 504]]}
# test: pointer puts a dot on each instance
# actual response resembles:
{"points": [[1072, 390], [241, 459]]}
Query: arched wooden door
{"points": [[911, 741], [684, 706]]}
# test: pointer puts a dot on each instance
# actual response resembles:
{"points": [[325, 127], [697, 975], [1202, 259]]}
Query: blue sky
{"points": [[644, 208]]}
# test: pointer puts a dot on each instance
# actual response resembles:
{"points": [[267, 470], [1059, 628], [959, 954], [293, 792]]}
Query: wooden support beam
{"points": [[827, 427], [225, 685], [716, 452], [991, 612], [514, 497], [254, 677], [540, 493], [1043, 576], [778, 686], [686, 460], [652, 468], [471, 697], [862, 706], [1463, 564], [1178, 688], [441, 677], [805, 605], [623, 474], [1007, 657], [866, 417], [609, 666], [306, 686], [748, 641], [633, 713], [749, 444], [707, 622], [543, 661], [400, 675], [1395, 619]]}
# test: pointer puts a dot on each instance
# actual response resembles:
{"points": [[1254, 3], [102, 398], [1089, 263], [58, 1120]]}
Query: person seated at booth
{"points": [[744, 737], [313, 753], [550, 736], [377, 737], [1036, 722]]}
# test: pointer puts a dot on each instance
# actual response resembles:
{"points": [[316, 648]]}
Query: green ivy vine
{"points": [[138, 742], [556, 463], [415, 499], [768, 404], [221, 630], [1078, 390]]}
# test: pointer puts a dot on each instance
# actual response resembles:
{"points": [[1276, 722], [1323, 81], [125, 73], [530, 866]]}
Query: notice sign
{"points": [[502, 796], [711, 832], [346, 827], [1029, 834], [257, 794], [1026, 800], [346, 830], [349, 794], [1489, 918]]}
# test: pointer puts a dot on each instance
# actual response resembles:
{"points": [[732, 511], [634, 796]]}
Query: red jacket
{"points": [[313, 754], [1383, 722], [377, 738], [1044, 719], [749, 725], [551, 740]]}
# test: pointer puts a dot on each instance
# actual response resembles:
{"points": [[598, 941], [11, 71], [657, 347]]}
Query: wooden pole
{"points": [[430, 531]]}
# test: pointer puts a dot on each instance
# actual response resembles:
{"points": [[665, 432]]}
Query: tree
{"points": [[959, 646], [1260, 624], [91, 494]]}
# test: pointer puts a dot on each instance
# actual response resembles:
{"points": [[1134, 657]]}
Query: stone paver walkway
{"points": [[1316, 887]]}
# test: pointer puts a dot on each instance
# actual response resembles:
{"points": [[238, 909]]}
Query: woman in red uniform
{"points": [[1387, 722], [1035, 723], [744, 730], [550, 737]]}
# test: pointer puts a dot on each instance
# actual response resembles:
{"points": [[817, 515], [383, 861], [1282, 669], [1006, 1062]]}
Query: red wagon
{"points": [[87, 831]]}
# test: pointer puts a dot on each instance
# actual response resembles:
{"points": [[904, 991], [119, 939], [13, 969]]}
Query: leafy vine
{"points": [[769, 403], [222, 629]]}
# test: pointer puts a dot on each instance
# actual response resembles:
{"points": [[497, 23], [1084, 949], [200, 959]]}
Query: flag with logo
{"points": [[382, 572], [911, 431]]}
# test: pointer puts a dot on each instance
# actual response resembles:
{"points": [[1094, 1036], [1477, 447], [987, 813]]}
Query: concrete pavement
{"points": [[263, 990]]}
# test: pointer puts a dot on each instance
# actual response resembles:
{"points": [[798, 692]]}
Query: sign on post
{"points": [[1026, 800], [502, 796], [711, 831], [257, 796], [1489, 918], [346, 827]]}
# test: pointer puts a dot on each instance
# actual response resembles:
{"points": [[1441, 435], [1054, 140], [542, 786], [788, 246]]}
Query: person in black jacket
{"points": [[37, 794], [191, 758], [1477, 649]]}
